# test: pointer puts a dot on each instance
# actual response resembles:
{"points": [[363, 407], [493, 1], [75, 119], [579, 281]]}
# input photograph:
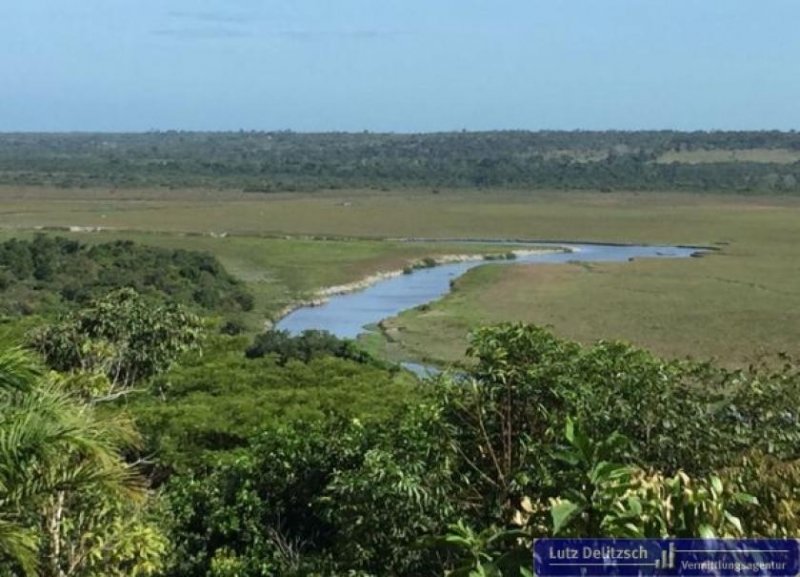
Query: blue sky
{"points": [[399, 65]]}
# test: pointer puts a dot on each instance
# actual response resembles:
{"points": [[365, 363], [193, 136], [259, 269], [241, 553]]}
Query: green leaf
{"points": [[562, 513], [707, 532], [603, 471], [745, 499], [635, 506], [569, 432], [735, 521]]}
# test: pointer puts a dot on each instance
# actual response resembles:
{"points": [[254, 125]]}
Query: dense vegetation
{"points": [[70, 502], [265, 162], [138, 439], [51, 274], [217, 400], [306, 346], [122, 336], [537, 436], [541, 437]]}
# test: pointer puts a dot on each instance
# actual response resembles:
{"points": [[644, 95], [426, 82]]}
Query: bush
{"points": [[124, 336], [304, 347]]}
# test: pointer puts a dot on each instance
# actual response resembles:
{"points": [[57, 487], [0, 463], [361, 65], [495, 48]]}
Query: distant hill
{"points": [[741, 162]]}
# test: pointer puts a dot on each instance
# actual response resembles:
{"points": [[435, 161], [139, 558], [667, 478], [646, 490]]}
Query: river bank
{"points": [[346, 310], [322, 296]]}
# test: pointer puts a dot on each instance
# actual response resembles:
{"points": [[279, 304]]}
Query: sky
{"points": [[399, 65]]}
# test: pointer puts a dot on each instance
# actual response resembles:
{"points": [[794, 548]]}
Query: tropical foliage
{"points": [[217, 400], [70, 505]]}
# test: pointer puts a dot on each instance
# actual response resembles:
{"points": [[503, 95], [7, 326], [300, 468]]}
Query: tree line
{"points": [[285, 161], [49, 274]]}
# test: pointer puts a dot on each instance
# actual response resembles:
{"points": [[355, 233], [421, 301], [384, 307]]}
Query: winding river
{"points": [[347, 315]]}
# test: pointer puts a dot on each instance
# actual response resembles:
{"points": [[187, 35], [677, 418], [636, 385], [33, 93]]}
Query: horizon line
{"points": [[79, 132]]}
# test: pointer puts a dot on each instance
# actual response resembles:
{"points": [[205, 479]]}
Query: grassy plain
{"points": [[732, 305], [770, 155]]}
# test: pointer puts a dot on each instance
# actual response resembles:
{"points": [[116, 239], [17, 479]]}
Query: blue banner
{"points": [[669, 557]]}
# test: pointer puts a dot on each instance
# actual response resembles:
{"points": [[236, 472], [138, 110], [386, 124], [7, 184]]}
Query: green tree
{"points": [[70, 506], [123, 336], [603, 497], [324, 498], [306, 346]]}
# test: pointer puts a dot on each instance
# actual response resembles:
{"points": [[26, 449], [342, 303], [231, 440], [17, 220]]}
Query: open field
{"points": [[621, 217], [667, 306], [719, 306], [763, 155]]}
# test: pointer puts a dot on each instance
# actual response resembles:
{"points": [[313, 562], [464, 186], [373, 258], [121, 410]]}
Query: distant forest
{"points": [[262, 162]]}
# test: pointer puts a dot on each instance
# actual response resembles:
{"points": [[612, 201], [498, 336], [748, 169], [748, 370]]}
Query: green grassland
{"points": [[732, 304], [762, 155], [670, 307], [283, 271]]}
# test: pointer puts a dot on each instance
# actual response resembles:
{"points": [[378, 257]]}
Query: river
{"points": [[347, 315]]}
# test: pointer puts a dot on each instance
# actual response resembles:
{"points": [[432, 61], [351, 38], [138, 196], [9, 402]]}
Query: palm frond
{"points": [[19, 546], [18, 369]]}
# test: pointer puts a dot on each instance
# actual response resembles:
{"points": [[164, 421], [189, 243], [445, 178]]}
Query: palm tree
{"points": [[58, 455]]}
